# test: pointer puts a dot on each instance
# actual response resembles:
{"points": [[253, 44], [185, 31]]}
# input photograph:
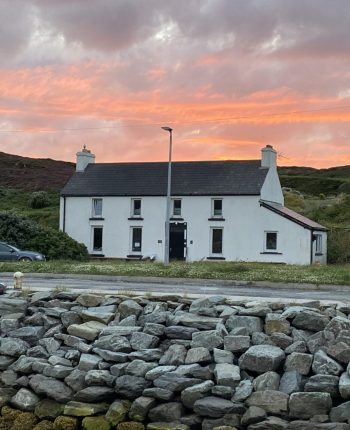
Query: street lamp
{"points": [[168, 201]]}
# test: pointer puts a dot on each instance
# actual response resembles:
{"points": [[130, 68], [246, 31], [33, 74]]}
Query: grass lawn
{"points": [[331, 274]]}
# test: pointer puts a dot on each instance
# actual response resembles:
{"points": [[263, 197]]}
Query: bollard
{"points": [[18, 279]]}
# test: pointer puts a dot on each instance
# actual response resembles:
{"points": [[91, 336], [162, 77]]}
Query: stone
{"points": [[222, 391], [253, 415], [89, 300], [214, 407], [88, 362], [310, 320], [120, 330], [252, 324], [25, 400], [271, 423], [9, 323], [105, 354], [323, 384], [273, 402], [12, 306], [94, 423], [154, 329], [154, 354], [299, 362], [324, 365], [129, 307], [291, 382], [48, 408], [262, 358], [102, 314], [298, 346], [99, 377], [175, 355], [81, 409], [141, 341], [74, 342], [309, 425], [158, 371], [236, 344], [306, 405], [340, 351], [227, 374], [95, 394], [13, 347], [130, 425], [117, 412], [130, 387], [175, 382], [65, 423], [56, 360], [340, 413], [30, 334], [70, 317], [8, 378], [209, 339], [281, 340], [89, 330], [57, 372], [267, 381], [167, 412], [167, 426], [180, 332], [198, 355], [159, 393], [140, 407], [243, 391], [226, 420], [38, 351], [5, 362], [275, 323], [197, 321], [139, 368], [191, 394], [222, 356], [344, 386], [51, 387]]}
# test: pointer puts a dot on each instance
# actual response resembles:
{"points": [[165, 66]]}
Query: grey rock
{"points": [[243, 391], [140, 407], [299, 362], [191, 394], [291, 382], [129, 307], [74, 342], [197, 321], [118, 357], [198, 355], [159, 393], [222, 391], [310, 320], [267, 381], [70, 317], [58, 371], [12, 306], [99, 377], [24, 364], [118, 369], [258, 310], [155, 373], [8, 378], [167, 412], [222, 356], [130, 387], [275, 323], [262, 358], [281, 340], [337, 324], [89, 300], [209, 339], [298, 346], [271, 423], [306, 405], [95, 394], [54, 360], [88, 362], [253, 415], [120, 330], [324, 365], [5, 362], [323, 384], [9, 323], [76, 380], [38, 351], [139, 368], [50, 387], [113, 342], [13, 347], [154, 329], [141, 341], [309, 425], [252, 324], [89, 330], [340, 413], [344, 386], [25, 400], [30, 334], [227, 374], [340, 351], [154, 354], [129, 321], [174, 382], [236, 344], [260, 338], [102, 314], [227, 420], [180, 332], [214, 407], [175, 355], [273, 402]]}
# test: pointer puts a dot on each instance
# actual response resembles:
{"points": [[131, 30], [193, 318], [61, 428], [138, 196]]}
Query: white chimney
{"points": [[84, 157], [268, 157]]}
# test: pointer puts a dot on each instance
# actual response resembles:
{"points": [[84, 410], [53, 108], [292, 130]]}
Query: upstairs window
{"points": [[136, 239], [136, 207], [177, 207], [271, 241], [96, 208], [217, 207]]}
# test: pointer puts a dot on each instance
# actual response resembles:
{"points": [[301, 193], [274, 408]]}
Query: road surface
{"points": [[187, 286]]}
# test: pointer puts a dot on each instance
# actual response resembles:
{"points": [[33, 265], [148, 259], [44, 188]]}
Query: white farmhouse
{"points": [[221, 210]]}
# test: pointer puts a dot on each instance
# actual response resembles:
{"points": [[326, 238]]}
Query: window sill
{"points": [[216, 258], [216, 218], [96, 254], [135, 218], [96, 218], [272, 252], [176, 218], [134, 257], [318, 254]]}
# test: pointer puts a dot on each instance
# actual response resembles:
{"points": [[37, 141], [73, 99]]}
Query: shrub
{"points": [[27, 234], [338, 246], [39, 200]]}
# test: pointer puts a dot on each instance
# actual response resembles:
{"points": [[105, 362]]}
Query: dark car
{"points": [[11, 253]]}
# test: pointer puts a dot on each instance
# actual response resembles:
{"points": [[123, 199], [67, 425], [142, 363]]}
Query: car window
{"points": [[4, 248]]}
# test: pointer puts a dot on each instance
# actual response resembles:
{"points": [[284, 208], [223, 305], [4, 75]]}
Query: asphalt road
{"points": [[187, 287]]}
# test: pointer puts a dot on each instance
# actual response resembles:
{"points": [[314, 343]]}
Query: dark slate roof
{"points": [[200, 178], [293, 216]]}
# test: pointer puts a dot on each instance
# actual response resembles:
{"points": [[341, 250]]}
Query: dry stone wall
{"points": [[90, 361]]}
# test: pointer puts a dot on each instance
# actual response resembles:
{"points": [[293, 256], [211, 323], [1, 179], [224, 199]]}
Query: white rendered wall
{"points": [[271, 190], [244, 226]]}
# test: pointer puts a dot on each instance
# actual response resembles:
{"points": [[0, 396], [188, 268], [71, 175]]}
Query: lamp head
{"points": [[167, 129]]}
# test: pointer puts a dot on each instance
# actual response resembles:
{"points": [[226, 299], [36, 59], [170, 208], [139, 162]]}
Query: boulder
{"points": [[25, 400], [140, 407], [273, 402], [262, 358], [306, 405], [214, 407], [227, 374], [51, 388]]}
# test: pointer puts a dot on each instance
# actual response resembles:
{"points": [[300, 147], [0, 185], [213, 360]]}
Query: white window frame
{"points": [[93, 250], [266, 249], [132, 251], [216, 254], [213, 208], [93, 207], [318, 244], [133, 215], [173, 208]]}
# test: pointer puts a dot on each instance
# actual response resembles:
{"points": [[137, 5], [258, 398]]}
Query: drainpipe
{"points": [[311, 247], [64, 215]]}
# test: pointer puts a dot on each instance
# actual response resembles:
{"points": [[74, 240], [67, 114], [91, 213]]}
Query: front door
{"points": [[177, 243]]}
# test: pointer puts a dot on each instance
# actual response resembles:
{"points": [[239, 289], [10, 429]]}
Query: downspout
{"points": [[64, 215], [311, 247]]}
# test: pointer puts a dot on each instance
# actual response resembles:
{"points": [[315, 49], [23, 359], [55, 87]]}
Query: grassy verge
{"points": [[331, 274]]}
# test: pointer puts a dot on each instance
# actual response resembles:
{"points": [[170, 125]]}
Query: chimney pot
{"points": [[268, 157], [84, 158]]}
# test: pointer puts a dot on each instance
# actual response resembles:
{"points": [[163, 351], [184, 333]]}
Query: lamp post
{"points": [[168, 201]]}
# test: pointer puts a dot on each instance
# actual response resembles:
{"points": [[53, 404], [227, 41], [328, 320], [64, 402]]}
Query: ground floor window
{"points": [[97, 236], [270, 240], [318, 240], [216, 240], [136, 239]]}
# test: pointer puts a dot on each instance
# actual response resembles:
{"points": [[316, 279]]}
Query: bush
{"points": [[338, 246], [27, 234], [39, 200]]}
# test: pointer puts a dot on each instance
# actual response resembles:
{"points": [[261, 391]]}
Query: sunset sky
{"points": [[229, 76]]}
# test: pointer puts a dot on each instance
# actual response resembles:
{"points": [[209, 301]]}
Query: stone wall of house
{"points": [[97, 362]]}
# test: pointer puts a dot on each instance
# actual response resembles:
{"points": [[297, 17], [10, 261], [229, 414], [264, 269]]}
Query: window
{"points": [[97, 233], [216, 242], [177, 207], [96, 208], [217, 207], [136, 239], [136, 207], [318, 238], [270, 241]]}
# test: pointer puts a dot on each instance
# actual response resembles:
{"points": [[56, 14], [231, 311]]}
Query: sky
{"points": [[229, 76]]}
